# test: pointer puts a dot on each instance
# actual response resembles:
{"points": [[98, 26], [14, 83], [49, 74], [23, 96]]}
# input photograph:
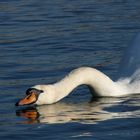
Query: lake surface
{"points": [[40, 42]]}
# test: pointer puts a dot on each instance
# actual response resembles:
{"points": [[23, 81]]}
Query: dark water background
{"points": [[41, 41]]}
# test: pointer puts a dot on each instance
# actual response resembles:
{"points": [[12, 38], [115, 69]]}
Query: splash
{"points": [[131, 59], [129, 70]]}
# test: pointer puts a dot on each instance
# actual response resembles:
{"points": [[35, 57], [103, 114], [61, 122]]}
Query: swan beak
{"points": [[29, 99]]}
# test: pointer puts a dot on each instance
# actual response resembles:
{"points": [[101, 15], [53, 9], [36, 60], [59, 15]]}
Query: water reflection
{"points": [[93, 112]]}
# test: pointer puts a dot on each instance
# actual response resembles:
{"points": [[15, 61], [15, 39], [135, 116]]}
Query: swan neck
{"points": [[100, 84]]}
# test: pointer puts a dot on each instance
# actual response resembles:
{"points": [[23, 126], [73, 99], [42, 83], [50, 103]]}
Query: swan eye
{"points": [[41, 91]]}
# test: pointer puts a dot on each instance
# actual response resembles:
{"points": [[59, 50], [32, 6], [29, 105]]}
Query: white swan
{"points": [[99, 84]]}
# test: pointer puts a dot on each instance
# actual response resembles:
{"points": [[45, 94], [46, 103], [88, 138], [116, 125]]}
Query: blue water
{"points": [[40, 42]]}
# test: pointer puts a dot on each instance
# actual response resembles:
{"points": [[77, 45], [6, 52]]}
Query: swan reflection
{"points": [[84, 112]]}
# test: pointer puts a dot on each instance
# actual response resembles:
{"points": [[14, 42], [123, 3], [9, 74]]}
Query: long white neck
{"points": [[100, 84]]}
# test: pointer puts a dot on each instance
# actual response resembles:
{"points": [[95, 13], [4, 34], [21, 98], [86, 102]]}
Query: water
{"points": [[40, 42]]}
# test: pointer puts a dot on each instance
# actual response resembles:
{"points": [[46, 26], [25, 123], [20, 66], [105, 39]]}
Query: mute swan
{"points": [[99, 84]]}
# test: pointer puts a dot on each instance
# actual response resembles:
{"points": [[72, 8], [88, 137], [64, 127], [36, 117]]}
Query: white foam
{"points": [[129, 70]]}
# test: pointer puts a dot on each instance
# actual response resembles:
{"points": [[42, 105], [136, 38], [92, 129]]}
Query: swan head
{"points": [[38, 95]]}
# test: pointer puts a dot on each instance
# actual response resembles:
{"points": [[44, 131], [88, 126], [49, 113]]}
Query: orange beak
{"points": [[29, 99]]}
